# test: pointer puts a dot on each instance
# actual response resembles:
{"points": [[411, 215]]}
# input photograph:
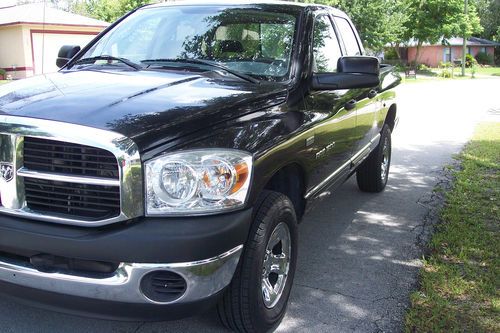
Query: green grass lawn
{"points": [[3, 81], [460, 280], [433, 74], [480, 71], [494, 71]]}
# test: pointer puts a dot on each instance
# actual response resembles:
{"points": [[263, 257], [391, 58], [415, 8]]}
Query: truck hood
{"points": [[151, 108]]}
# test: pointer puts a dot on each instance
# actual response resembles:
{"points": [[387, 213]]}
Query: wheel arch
{"points": [[290, 181], [390, 118]]}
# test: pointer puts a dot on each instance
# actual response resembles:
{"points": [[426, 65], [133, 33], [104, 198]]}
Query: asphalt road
{"points": [[359, 253]]}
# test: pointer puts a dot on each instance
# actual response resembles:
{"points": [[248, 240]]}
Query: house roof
{"points": [[34, 14], [483, 41], [458, 41]]}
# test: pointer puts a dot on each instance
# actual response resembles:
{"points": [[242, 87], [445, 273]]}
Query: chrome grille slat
{"points": [[107, 192], [39, 205], [35, 165], [67, 178], [56, 193], [53, 197], [67, 153]]}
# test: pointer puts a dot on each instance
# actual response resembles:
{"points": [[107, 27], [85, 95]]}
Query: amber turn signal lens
{"points": [[241, 176]]}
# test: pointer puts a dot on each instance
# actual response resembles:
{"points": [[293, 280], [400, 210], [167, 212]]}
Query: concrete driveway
{"points": [[359, 253]]}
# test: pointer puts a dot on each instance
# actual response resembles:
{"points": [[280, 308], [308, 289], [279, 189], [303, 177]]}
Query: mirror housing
{"points": [[353, 72], [65, 54]]}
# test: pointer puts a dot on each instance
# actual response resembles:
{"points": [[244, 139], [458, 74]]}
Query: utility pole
{"points": [[464, 50]]}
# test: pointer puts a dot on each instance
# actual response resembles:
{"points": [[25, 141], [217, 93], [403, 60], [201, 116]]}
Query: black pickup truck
{"points": [[164, 169]]}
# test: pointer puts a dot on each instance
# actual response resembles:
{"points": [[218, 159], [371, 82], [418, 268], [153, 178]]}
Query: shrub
{"points": [[445, 73], [400, 67], [474, 69], [470, 60], [446, 69], [423, 68], [3, 74], [484, 58], [445, 64], [390, 54]]}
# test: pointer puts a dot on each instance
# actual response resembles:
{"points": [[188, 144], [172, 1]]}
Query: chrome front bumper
{"points": [[203, 278]]}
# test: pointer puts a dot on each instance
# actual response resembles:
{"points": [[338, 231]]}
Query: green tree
{"points": [[378, 22], [489, 14], [128, 5], [105, 10], [431, 21]]}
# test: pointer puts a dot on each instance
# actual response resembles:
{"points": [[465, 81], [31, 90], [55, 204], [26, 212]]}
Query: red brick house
{"points": [[432, 54]]}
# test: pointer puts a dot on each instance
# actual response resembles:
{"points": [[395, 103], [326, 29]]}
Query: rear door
{"points": [[367, 103]]}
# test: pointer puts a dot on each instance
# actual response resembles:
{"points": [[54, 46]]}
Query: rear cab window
{"points": [[326, 47], [348, 36]]}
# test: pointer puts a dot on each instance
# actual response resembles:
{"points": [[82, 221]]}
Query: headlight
{"points": [[197, 182]]}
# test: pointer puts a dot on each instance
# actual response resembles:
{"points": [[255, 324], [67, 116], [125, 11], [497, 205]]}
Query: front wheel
{"points": [[373, 173], [257, 298]]}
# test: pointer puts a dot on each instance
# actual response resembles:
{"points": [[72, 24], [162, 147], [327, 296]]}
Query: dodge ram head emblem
{"points": [[6, 171]]}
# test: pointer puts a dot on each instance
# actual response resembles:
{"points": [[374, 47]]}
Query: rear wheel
{"points": [[373, 173], [257, 298]]}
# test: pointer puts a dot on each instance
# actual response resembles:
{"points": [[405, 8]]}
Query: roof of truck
{"points": [[245, 2]]}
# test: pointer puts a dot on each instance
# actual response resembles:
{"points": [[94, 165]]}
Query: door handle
{"points": [[372, 93], [350, 105]]}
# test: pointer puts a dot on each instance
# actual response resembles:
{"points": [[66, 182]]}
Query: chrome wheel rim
{"points": [[384, 167], [276, 265]]}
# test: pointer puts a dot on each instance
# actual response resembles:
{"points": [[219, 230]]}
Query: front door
{"points": [[334, 136], [367, 100]]}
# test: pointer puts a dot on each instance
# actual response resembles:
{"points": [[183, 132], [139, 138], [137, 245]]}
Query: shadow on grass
{"points": [[427, 72]]}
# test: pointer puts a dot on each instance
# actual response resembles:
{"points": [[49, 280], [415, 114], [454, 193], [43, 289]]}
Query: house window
{"points": [[469, 50], [447, 54], [482, 49]]}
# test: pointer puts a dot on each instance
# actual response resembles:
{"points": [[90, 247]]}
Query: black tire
{"points": [[242, 308], [370, 174]]}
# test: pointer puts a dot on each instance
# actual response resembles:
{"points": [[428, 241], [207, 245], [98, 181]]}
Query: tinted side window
{"points": [[326, 46], [350, 40]]}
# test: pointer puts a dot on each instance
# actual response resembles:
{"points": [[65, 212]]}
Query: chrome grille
{"points": [[83, 201], [67, 173]]}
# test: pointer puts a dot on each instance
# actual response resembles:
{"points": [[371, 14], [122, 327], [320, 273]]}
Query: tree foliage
{"points": [[105, 10], [378, 22], [431, 21], [489, 14], [383, 22]]}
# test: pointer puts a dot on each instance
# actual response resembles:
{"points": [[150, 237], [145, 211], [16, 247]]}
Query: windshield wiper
{"points": [[109, 58], [204, 62]]}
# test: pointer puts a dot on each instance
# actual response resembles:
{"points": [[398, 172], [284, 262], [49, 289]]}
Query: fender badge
{"points": [[6, 171]]}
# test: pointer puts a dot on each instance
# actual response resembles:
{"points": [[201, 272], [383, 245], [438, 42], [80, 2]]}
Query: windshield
{"points": [[245, 40]]}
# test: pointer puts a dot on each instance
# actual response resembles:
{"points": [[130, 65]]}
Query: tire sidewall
{"points": [[386, 135], [266, 319]]}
